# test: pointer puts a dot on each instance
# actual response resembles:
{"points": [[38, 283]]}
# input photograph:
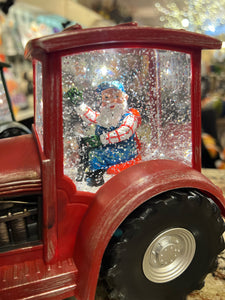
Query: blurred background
{"points": [[22, 20]]}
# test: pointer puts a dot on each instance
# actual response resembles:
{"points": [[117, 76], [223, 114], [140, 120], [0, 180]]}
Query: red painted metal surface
{"points": [[78, 225], [21, 255], [19, 165], [127, 33], [29, 278]]}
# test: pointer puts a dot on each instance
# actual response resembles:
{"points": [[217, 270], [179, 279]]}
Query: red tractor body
{"points": [[54, 228]]}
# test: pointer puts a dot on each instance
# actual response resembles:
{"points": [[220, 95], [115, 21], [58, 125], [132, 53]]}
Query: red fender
{"points": [[117, 199]]}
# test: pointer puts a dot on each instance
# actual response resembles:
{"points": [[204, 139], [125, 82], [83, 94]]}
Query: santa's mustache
{"points": [[111, 114]]}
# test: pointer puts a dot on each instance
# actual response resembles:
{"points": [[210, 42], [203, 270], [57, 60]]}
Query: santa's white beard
{"points": [[110, 117]]}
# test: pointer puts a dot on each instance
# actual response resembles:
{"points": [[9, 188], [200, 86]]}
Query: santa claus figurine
{"points": [[114, 141]]}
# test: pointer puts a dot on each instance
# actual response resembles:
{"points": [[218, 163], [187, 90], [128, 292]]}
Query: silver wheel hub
{"points": [[169, 255]]}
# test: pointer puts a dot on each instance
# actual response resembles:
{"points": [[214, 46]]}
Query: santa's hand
{"points": [[92, 141], [75, 96]]}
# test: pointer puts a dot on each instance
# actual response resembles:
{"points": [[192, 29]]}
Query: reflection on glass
{"points": [[123, 106], [5, 114], [39, 101]]}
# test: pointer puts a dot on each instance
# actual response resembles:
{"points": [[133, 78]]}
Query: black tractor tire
{"points": [[165, 248]]}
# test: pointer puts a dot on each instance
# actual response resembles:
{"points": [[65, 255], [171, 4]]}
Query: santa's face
{"points": [[111, 97], [114, 105]]}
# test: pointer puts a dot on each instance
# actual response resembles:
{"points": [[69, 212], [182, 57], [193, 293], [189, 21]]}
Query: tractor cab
{"points": [[159, 117]]}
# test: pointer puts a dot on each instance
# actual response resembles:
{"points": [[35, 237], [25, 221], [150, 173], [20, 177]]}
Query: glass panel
{"points": [[175, 92], [123, 106], [39, 101], [5, 114]]}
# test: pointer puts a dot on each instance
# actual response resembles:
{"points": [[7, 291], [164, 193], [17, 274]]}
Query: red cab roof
{"points": [[75, 36]]}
